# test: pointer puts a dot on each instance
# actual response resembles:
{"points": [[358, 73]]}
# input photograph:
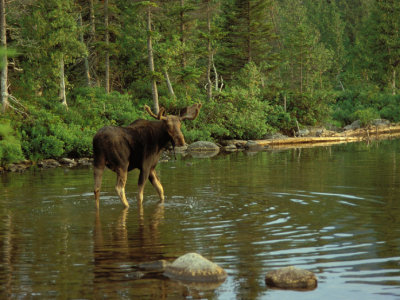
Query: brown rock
{"points": [[291, 278]]}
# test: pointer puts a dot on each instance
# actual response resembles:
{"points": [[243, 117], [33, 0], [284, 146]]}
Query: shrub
{"points": [[366, 115], [10, 145]]}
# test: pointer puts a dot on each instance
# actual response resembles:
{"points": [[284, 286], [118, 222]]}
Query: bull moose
{"points": [[137, 146]]}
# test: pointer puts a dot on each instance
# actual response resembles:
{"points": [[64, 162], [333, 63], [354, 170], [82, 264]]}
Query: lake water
{"points": [[331, 210]]}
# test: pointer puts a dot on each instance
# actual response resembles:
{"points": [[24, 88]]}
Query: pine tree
{"points": [[383, 42], [53, 44], [306, 59], [249, 34]]}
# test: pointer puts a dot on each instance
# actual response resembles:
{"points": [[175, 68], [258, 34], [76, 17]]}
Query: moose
{"points": [[137, 146]]}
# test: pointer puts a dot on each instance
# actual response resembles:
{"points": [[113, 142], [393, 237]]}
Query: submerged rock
{"points": [[48, 163], [193, 267], [85, 161], [68, 162], [291, 278], [153, 266], [230, 148], [19, 167]]}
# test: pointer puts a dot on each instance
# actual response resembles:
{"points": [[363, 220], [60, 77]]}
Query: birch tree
{"points": [[107, 53], [154, 90], [4, 62]]}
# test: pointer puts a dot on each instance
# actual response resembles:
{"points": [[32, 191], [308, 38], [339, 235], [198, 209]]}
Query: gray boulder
{"points": [[291, 278], [353, 126], [203, 146], [380, 122], [303, 132], [193, 267]]}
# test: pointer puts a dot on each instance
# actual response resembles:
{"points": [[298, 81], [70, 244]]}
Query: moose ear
{"points": [[191, 112], [161, 113]]}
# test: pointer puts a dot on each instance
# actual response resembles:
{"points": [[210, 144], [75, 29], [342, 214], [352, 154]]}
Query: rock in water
{"points": [[203, 146], [291, 278], [193, 267]]}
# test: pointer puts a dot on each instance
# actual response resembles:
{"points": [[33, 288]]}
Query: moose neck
{"points": [[163, 136]]}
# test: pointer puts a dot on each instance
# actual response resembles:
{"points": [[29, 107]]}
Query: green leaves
{"points": [[10, 146]]}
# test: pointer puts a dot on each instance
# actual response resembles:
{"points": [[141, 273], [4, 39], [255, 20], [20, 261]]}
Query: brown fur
{"points": [[137, 146]]}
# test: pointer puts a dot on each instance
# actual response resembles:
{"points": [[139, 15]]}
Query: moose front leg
{"points": [[157, 184], [120, 186]]}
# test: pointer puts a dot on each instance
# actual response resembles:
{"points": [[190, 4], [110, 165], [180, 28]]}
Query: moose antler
{"points": [[160, 112], [191, 112]]}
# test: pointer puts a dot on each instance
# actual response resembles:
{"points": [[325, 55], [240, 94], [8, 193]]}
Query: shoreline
{"points": [[319, 138]]}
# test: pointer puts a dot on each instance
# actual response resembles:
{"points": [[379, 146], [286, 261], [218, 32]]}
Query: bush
{"points": [[233, 115], [366, 115], [10, 146], [51, 131], [366, 105]]}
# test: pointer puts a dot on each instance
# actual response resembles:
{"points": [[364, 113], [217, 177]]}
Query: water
{"points": [[332, 210]]}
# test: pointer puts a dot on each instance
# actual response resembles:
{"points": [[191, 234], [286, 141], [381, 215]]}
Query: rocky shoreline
{"points": [[310, 137]]}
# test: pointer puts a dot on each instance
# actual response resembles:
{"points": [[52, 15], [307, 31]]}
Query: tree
{"points": [[151, 59], [107, 44], [383, 42], [53, 44], [4, 61], [306, 59], [249, 35], [326, 17]]}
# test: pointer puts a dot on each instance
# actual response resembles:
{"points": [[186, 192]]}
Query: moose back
{"points": [[137, 146]]}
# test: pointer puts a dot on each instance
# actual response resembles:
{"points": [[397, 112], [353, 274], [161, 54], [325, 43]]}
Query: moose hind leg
{"points": [[156, 184], [122, 175], [98, 175]]}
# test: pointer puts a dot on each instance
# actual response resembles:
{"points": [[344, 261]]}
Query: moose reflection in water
{"points": [[137, 146], [119, 250]]}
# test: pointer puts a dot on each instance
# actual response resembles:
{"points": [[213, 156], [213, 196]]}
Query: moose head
{"points": [[173, 123]]}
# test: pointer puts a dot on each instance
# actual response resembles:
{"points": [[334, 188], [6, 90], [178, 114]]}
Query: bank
{"points": [[311, 137]]}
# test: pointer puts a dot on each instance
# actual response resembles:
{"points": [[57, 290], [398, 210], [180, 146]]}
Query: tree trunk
{"points": [[182, 27], [249, 54], [107, 54], [210, 54], [215, 73], [4, 61], [85, 57], [151, 62], [394, 81], [92, 19], [169, 85], [63, 97]]}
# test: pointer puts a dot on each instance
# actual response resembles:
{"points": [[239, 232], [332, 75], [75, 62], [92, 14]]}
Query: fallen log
{"points": [[349, 136]]}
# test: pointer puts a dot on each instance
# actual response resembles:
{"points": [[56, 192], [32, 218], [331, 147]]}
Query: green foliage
{"points": [[365, 106], [10, 146], [330, 61], [54, 132], [366, 116]]}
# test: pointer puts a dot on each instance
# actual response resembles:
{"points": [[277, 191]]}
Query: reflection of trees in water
{"points": [[6, 245]]}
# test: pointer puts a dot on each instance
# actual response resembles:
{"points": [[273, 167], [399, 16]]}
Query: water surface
{"points": [[332, 210]]}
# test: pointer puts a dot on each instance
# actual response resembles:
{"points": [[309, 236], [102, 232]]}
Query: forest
{"points": [[70, 67]]}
